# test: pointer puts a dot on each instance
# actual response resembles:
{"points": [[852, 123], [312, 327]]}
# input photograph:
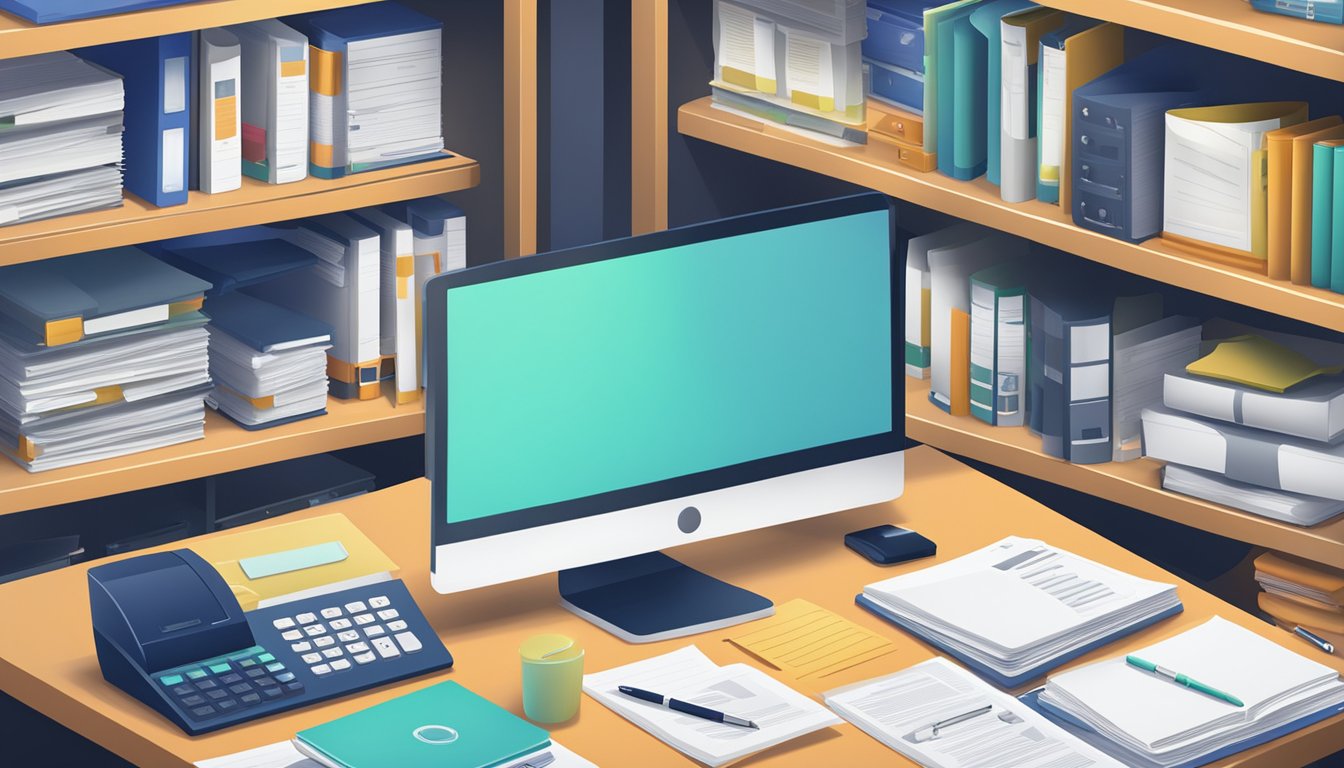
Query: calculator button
{"points": [[373, 631], [250, 698], [206, 685], [385, 647], [284, 623], [183, 690], [409, 642], [240, 688], [331, 613], [306, 618], [321, 669], [196, 674], [365, 658], [311, 658], [275, 667], [265, 658], [380, 601], [340, 664], [272, 693], [231, 678], [348, 636], [284, 677], [397, 626], [255, 673], [364, 618], [217, 694], [171, 680], [205, 711], [357, 647], [314, 630], [389, 614], [245, 663], [356, 607], [221, 668], [192, 701], [292, 635], [332, 653], [301, 647], [340, 624], [226, 705], [266, 682], [323, 642], [294, 687]]}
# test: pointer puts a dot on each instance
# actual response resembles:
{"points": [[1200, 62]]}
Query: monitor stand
{"points": [[647, 598]]}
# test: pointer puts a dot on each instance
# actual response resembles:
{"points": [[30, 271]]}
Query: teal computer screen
{"points": [[603, 376]]}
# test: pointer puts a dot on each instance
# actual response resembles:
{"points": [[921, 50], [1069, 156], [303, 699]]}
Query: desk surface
{"points": [[49, 662]]}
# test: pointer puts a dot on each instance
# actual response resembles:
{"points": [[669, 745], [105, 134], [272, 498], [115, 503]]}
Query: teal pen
{"points": [[1180, 679]]}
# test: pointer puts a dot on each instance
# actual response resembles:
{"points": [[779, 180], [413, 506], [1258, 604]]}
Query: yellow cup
{"points": [[552, 677]]}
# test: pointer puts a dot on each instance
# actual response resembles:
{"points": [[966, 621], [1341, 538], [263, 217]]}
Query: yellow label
{"points": [[185, 307], [405, 271], [812, 101], [1050, 173], [104, 395], [326, 77], [406, 398], [226, 118], [322, 154], [28, 450], [348, 372], [293, 68], [438, 265], [66, 331], [925, 317]]}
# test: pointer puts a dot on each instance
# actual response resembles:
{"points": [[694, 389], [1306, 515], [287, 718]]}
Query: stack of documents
{"points": [[1145, 719], [1299, 594], [1143, 357], [60, 137], [101, 354], [942, 716], [737, 689], [269, 364], [1019, 608]]}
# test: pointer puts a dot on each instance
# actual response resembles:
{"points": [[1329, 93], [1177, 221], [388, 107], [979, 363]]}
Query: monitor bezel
{"points": [[436, 297]]}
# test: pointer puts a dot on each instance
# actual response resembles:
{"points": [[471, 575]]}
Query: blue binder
{"points": [[873, 607], [1083, 731], [260, 324], [426, 215], [230, 266], [157, 76], [896, 33], [50, 11], [986, 19]]}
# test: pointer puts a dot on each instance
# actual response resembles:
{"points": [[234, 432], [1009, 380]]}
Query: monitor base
{"points": [[652, 597]]}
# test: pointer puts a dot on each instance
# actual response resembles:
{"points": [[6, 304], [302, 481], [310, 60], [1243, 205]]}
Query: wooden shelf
{"points": [[19, 37], [255, 203], [226, 447], [1134, 484], [1228, 25], [870, 166]]}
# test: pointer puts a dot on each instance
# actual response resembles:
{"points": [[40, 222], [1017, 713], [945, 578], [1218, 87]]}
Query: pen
{"points": [[1180, 679], [1315, 639], [685, 707]]}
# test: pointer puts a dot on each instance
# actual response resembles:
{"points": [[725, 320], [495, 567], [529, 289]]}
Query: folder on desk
{"points": [[157, 76], [274, 100], [218, 120], [342, 290], [1279, 193], [398, 305], [1300, 244], [364, 562], [440, 237], [1078, 52], [63, 300], [987, 20], [1020, 34]]}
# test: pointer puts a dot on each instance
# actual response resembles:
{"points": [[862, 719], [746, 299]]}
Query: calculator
{"points": [[169, 632]]}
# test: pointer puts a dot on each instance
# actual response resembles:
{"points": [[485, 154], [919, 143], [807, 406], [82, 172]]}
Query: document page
{"points": [[746, 44], [1053, 97], [925, 713], [1208, 179]]}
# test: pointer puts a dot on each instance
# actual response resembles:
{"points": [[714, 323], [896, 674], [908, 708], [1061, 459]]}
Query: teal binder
{"points": [[1322, 189], [442, 726], [998, 390], [986, 20]]}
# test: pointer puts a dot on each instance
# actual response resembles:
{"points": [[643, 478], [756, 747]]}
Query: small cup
{"points": [[552, 677]]}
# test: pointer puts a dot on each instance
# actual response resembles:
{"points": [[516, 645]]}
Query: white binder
{"points": [[220, 136], [398, 304]]}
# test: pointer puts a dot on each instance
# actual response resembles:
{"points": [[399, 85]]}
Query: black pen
{"points": [[685, 707]]}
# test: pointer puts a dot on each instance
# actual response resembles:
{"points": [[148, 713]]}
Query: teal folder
{"points": [[442, 726], [1322, 192], [986, 20], [998, 385], [1334, 209]]}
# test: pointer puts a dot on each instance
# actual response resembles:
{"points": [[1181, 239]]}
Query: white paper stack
{"points": [[1143, 357], [1292, 508], [1147, 720], [1020, 605], [395, 88], [738, 689], [60, 137]]}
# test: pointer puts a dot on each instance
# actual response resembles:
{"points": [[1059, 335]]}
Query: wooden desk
{"points": [[47, 659]]}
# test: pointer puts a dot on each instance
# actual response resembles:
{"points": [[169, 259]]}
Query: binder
{"points": [[896, 33], [1279, 192], [219, 136], [1300, 246], [1020, 35], [933, 19], [439, 231], [960, 360], [1336, 214], [987, 20], [233, 265], [351, 308], [64, 300], [1073, 331], [1077, 53], [275, 101], [264, 326], [397, 317], [338, 38], [918, 292], [156, 74], [1322, 199], [998, 345]]}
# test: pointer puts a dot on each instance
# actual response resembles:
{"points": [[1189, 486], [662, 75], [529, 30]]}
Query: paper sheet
{"points": [[285, 755], [804, 641]]}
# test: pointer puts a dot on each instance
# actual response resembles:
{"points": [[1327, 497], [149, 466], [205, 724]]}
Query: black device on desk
{"points": [[169, 632], [888, 545]]}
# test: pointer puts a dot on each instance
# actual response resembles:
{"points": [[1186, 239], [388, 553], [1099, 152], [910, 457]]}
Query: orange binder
{"points": [[1279, 194], [961, 363], [1087, 56], [1300, 222]]}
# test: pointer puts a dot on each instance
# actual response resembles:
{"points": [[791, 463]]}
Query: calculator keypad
{"points": [[359, 631], [218, 686]]}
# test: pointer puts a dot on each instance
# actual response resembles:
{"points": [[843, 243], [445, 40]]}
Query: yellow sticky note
{"points": [[807, 641], [1255, 361]]}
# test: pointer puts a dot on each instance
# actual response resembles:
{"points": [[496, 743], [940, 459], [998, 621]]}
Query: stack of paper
{"points": [[269, 363], [737, 689], [60, 137], [1143, 356], [1018, 608], [1145, 719], [1300, 593], [977, 726]]}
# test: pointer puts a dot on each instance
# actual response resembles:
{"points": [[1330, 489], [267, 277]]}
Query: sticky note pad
{"points": [[261, 566], [807, 641]]}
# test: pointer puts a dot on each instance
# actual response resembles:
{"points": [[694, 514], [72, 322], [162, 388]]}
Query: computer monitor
{"points": [[606, 401]]}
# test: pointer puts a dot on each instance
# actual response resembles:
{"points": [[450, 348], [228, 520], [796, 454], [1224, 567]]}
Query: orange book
{"points": [[1279, 193], [1323, 583], [1300, 221], [1290, 612], [961, 363]]}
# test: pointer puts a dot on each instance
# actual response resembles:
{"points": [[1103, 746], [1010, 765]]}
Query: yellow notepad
{"points": [[1255, 361], [807, 641]]}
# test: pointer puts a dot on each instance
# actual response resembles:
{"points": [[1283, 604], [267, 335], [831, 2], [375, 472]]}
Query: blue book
{"points": [[262, 325], [230, 266], [986, 19], [960, 60], [51, 11], [156, 72]]}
